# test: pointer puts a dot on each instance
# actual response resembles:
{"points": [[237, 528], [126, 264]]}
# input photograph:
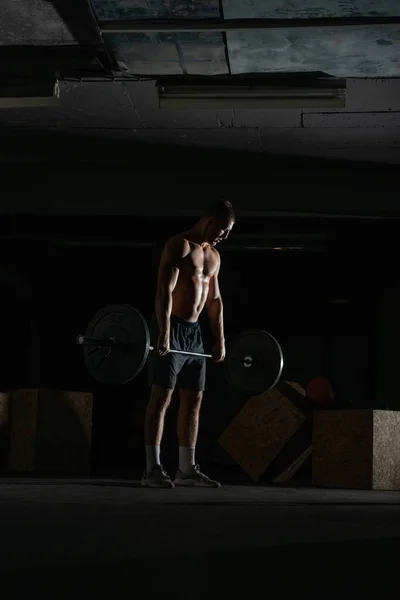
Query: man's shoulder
{"points": [[178, 244], [179, 239]]}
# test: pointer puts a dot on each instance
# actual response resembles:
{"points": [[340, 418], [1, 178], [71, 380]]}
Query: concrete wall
{"points": [[189, 181], [367, 129]]}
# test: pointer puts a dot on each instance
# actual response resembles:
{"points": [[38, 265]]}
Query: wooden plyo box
{"points": [[356, 449], [51, 431], [264, 427]]}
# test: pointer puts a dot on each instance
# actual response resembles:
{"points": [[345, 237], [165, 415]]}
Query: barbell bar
{"points": [[97, 342], [116, 346]]}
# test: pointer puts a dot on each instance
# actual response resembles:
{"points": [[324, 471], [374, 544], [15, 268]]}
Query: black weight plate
{"points": [[266, 367], [123, 363]]}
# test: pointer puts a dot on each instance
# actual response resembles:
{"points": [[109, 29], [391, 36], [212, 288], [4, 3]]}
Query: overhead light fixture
{"points": [[175, 96], [21, 93]]}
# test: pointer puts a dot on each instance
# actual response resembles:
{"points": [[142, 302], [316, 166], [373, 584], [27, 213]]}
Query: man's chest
{"points": [[202, 262]]}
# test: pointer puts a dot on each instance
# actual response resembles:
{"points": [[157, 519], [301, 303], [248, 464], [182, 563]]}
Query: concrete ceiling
{"points": [[32, 22], [367, 129]]}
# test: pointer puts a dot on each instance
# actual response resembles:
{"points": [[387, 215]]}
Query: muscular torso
{"points": [[191, 290]]}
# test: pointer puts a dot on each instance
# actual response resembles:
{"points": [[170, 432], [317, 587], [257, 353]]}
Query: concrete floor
{"points": [[63, 538]]}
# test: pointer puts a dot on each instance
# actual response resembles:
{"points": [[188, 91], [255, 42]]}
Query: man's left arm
{"points": [[215, 311]]}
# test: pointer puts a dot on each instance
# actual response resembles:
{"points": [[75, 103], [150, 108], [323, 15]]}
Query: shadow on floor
{"points": [[305, 568]]}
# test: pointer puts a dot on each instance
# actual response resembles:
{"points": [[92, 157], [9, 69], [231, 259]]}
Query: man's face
{"points": [[217, 232]]}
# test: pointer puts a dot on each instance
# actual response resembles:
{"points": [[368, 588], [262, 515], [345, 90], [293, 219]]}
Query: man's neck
{"points": [[196, 235]]}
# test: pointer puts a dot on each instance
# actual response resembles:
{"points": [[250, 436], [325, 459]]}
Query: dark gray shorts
{"points": [[178, 370]]}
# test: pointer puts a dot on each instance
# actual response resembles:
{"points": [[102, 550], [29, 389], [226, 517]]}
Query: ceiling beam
{"points": [[79, 17], [182, 25]]}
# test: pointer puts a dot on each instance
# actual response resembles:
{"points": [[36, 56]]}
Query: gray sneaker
{"points": [[195, 478], [157, 478]]}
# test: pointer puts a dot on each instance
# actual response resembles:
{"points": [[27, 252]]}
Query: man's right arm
{"points": [[175, 250]]}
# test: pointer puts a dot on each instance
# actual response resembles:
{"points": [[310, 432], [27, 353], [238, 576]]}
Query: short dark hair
{"points": [[222, 211]]}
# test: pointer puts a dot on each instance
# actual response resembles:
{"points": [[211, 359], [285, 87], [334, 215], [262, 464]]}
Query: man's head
{"points": [[219, 220]]}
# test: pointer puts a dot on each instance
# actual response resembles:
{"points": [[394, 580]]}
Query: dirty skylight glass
{"points": [[363, 51]]}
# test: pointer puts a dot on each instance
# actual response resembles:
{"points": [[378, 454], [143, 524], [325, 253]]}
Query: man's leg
{"points": [[160, 399], [188, 427], [162, 375], [190, 395]]}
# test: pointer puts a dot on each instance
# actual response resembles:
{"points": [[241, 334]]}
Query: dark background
{"points": [[74, 237]]}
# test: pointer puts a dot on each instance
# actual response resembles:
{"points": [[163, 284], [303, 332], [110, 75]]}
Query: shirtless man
{"points": [[187, 282]]}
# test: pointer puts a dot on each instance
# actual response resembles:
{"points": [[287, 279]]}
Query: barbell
{"points": [[116, 346]]}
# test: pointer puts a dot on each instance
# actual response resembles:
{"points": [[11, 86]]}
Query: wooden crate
{"points": [[264, 427], [50, 431], [356, 449]]}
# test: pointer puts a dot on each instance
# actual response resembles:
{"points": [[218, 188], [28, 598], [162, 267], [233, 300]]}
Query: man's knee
{"points": [[160, 397], [191, 398]]}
